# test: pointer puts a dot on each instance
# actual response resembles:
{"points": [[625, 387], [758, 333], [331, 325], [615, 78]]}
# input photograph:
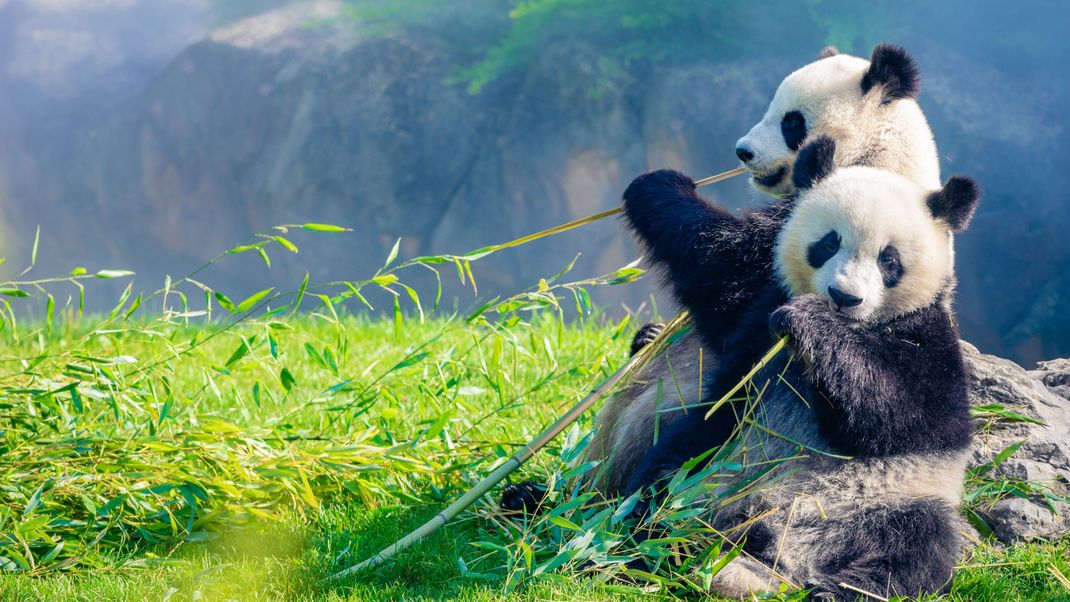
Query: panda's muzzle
{"points": [[843, 300]]}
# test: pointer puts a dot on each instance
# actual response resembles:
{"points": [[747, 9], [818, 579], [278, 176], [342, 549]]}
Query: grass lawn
{"points": [[262, 458]]}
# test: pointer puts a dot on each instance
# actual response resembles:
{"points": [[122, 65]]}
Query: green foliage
{"points": [[626, 36], [226, 11]]}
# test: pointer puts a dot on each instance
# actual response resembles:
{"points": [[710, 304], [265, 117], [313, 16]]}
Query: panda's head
{"points": [[867, 107], [871, 242]]}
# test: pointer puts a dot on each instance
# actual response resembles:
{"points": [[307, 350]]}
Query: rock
{"points": [[1044, 457], [1017, 518], [1055, 374]]}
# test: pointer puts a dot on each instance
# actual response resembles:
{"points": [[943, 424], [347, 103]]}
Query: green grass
{"points": [[504, 385]]}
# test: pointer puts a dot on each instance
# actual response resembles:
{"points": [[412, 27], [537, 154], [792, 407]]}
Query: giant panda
{"points": [[869, 109], [873, 406]]}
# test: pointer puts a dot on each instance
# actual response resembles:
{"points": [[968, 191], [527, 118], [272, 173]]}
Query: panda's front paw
{"points": [[796, 317], [657, 185], [527, 498], [780, 322], [646, 335]]}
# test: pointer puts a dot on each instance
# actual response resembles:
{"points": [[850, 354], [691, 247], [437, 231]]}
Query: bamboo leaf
{"points": [[385, 279], [287, 379], [393, 254], [238, 353], [107, 274], [50, 310], [225, 302], [286, 244], [253, 299], [312, 227], [300, 294]]}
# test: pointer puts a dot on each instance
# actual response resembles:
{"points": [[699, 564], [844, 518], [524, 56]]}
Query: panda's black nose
{"points": [[842, 299], [744, 154]]}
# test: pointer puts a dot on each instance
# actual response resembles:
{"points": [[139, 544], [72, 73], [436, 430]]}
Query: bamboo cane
{"points": [[604, 214], [547, 435]]}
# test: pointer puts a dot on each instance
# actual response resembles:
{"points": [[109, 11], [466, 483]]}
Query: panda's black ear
{"points": [[827, 51], [893, 72], [815, 162], [955, 202]]}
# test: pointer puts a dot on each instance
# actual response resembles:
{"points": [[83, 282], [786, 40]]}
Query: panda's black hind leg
{"points": [[906, 549], [646, 335], [527, 498]]}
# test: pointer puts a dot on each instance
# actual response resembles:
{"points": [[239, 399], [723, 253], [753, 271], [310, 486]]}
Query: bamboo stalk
{"points": [[731, 173], [525, 453], [604, 214]]}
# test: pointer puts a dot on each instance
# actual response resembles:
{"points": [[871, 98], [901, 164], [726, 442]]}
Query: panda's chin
{"points": [[776, 182], [856, 317]]}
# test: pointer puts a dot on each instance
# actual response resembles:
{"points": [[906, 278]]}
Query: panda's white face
{"points": [[812, 100], [826, 98], [865, 240]]}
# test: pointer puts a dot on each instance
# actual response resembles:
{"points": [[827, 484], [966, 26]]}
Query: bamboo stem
{"points": [[547, 435], [731, 173], [608, 213]]}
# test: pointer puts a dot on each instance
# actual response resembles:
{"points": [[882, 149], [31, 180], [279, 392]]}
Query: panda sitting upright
{"points": [[864, 267], [869, 109]]}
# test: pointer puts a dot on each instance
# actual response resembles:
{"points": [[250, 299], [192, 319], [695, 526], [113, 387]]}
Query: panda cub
{"points": [[862, 267], [869, 109]]}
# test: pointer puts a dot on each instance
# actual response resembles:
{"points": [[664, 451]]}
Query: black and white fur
{"points": [[862, 270], [869, 109]]}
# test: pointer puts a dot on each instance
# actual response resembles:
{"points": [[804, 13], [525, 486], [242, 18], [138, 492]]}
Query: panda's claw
{"points": [[526, 498], [799, 317], [646, 335], [780, 322]]}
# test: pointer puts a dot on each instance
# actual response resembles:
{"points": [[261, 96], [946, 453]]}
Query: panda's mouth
{"points": [[771, 179]]}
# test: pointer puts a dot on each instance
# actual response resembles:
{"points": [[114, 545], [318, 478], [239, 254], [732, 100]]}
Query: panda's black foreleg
{"points": [[702, 247], [646, 335], [688, 437], [898, 387]]}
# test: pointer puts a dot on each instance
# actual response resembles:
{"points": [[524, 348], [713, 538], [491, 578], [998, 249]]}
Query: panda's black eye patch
{"points": [[821, 251], [793, 127], [891, 266]]}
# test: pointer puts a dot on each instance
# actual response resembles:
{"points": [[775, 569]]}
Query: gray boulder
{"points": [[1043, 460]]}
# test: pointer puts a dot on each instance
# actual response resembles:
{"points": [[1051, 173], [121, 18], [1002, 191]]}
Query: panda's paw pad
{"points": [[646, 335], [523, 498]]}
